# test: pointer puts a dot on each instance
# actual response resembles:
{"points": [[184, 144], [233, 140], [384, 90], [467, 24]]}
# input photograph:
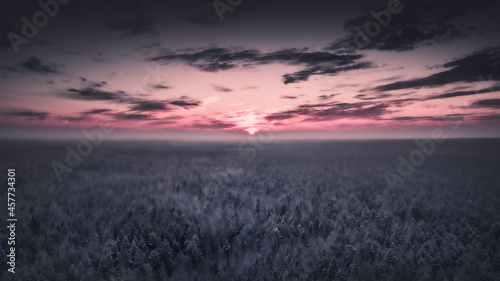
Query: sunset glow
{"points": [[243, 76]]}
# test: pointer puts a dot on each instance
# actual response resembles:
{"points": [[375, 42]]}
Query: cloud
{"points": [[134, 116], [213, 124], [221, 89], [445, 118], [96, 111], [490, 103], [281, 116], [174, 117], [375, 97], [27, 113], [137, 104], [464, 93], [419, 23], [218, 59], [288, 97], [303, 75], [184, 102], [332, 111], [487, 117], [326, 97], [390, 78], [92, 84], [91, 94], [209, 59], [34, 64], [149, 106], [371, 112], [159, 86], [73, 119], [145, 105], [214, 66], [467, 69]]}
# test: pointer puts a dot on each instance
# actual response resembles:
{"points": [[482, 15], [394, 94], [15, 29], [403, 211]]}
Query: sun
{"points": [[251, 131], [247, 121]]}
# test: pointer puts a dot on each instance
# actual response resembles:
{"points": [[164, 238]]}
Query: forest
{"points": [[303, 210]]}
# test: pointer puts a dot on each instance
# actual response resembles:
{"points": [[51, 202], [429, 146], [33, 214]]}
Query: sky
{"points": [[226, 69]]}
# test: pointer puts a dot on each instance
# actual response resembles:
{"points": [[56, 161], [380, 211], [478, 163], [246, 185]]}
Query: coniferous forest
{"points": [[282, 211]]}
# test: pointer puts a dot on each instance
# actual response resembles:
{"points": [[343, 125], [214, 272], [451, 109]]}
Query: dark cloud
{"points": [[221, 89], [374, 97], [334, 71], [175, 117], [281, 116], [122, 116], [332, 111], [464, 93], [137, 104], [91, 94], [390, 78], [467, 69], [162, 122], [338, 105], [490, 103], [150, 106], [159, 86], [301, 56], [213, 124], [206, 56], [370, 112], [27, 113], [419, 23], [184, 102], [93, 84], [96, 111], [34, 64], [73, 119], [487, 117], [445, 118], [288, 97], [215, 66], [303, 75], [326, 97], [218, 59]]}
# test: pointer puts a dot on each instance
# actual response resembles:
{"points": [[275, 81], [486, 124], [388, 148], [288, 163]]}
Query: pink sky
{"points": [[59, 85]]}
